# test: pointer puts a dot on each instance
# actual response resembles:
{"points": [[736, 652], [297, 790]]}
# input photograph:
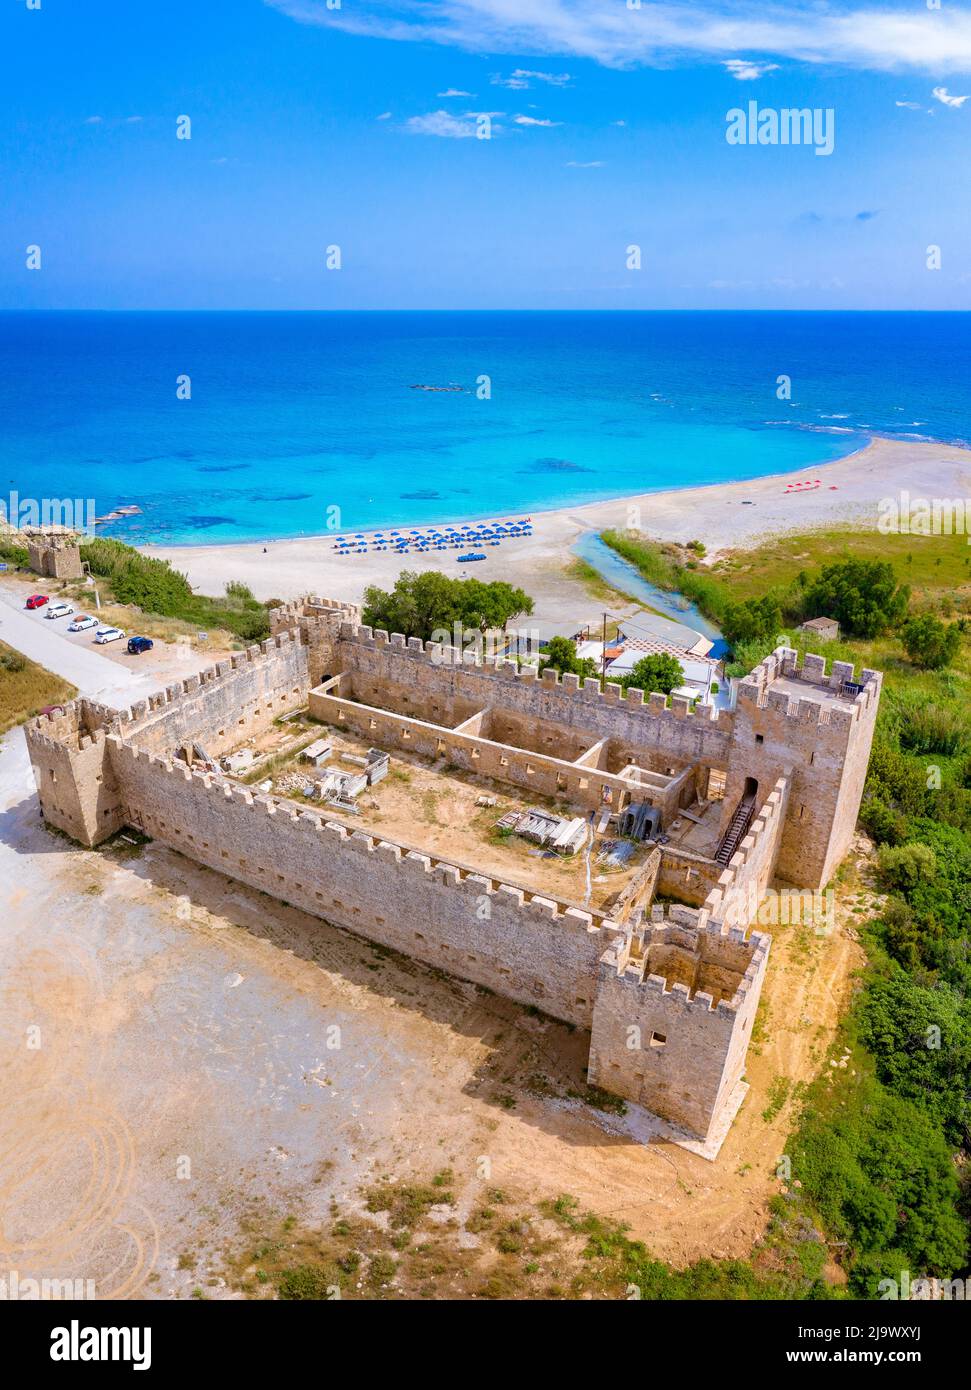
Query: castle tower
{"points": [[673, 1015], [817, 728], [318, 622]]}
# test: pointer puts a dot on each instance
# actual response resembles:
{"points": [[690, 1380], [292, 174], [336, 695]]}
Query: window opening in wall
{"points": [[658, 1039]]}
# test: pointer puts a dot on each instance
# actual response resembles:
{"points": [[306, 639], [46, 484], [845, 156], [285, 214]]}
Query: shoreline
{"points": [[480, 518], [724, 516]]}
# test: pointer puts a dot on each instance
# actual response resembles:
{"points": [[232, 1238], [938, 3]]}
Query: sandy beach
{"points": [[724, 516]]}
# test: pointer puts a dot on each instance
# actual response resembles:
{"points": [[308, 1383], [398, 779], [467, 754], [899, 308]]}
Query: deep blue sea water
{"points": [[292, 414]]}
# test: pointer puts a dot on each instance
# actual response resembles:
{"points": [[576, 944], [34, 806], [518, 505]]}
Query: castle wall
{"points": [[405, 668], [223, 705], [685, 987], [526, 947], [55, 561], [75, 784], [546, 776]]}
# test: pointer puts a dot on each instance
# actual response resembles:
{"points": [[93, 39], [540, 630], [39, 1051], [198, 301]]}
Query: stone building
{"points": [[738, 801], [55, 556]]}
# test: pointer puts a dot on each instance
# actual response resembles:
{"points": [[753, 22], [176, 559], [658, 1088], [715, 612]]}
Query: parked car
{"points": [[137, 645], [81, 623], [108, 634], [36, 601], [59, 610]]}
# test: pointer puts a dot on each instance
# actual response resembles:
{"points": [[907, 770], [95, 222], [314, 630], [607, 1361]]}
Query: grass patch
{"points": [[156, 588], [26, 688]]}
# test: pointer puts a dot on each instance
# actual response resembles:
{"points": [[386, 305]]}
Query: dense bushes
{"points": [[755, 620], [881, 1175], [11, 554], [156, 588]]}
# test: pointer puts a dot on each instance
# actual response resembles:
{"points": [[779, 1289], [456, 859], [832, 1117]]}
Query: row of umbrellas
{"points": [[491, 533]]}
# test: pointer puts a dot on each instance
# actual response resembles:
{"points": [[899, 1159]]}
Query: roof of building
{"points": [[699, 670], [653, 627], [820, 624]]}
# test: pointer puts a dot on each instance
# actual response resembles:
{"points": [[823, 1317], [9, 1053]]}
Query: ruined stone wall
{"points": [[55, 560], [521, 945], [664, 1046], [546, 776]]}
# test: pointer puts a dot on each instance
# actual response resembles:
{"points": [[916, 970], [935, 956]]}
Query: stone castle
{"points": [[765, 795]]}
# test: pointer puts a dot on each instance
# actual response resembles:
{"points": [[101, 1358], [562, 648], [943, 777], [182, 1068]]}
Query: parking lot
{"points": [[69, 654]]}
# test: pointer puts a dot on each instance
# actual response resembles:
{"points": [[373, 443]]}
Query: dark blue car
{"points": [[137, 645]]}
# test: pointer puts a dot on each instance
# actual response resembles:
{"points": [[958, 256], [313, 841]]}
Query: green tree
{"points": [[658, 672], [904, 866], [863, 596], [560, 653], [930, 643], [422, 604], [921, 1041], [753, 620]]}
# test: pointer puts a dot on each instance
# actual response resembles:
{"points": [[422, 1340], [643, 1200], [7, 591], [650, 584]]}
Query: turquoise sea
{"points": [[298, 421]]}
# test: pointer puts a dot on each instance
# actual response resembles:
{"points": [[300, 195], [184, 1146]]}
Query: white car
{"points": [[108, 634], [58, 610], [81, 623]]}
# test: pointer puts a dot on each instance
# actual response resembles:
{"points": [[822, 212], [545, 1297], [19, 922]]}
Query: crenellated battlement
{"points": [[336, 837], [774, 684], [690, 940], [502, 668]]}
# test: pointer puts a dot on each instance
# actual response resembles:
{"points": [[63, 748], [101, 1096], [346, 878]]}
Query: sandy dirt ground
{"points": [[180, 1053], [434, 808], [722, 516]]}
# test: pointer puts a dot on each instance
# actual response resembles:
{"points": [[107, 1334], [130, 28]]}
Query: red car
{"points": [[36, 601]]}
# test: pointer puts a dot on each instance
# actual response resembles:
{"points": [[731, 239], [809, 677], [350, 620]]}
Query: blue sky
{"points": [[314, 127]]}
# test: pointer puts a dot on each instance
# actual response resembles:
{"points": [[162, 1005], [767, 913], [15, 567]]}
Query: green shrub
{"points": [[862, 595], [930, 643]]}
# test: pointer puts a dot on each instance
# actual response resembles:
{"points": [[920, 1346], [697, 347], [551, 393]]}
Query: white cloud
{"points": [[443, 123], [384, 116], [746, 70], [872, 35], [524, 77], [590, 164], [620, 123], [535, 120], [944, 96], [93, 120], [454, 92], [910, 105], [133, 120]]}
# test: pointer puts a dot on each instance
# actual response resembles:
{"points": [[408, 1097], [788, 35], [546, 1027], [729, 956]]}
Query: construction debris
{"points": [[564, 836], [239, 761], [317, 752], [615, 854]]}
